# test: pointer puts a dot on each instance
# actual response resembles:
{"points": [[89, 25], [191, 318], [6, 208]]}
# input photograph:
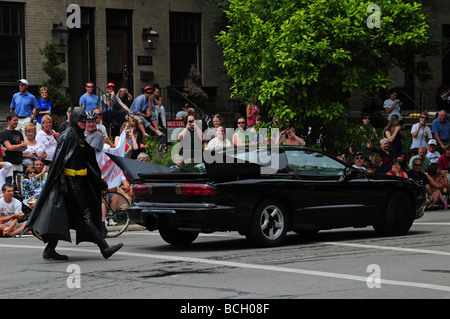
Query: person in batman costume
{"points": [[71, 197]]}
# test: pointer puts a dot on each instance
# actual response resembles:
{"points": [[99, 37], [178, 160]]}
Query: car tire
{"points": [[178, 237], [398, 216], [269, 224]]}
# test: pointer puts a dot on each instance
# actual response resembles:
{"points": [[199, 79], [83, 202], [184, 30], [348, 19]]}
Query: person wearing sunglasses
{"points": [[421, 178], [421, 133], [241, 137], [89, 101], [358, 161]]}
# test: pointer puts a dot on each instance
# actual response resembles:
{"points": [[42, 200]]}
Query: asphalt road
{"points": [[336, 264]]}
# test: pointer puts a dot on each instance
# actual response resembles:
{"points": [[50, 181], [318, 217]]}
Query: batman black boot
{"points": [[50, 252], [106, 250]]}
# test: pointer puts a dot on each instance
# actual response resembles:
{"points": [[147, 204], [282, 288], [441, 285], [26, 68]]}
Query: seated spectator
{"points": [[438, 183], [385, 153], [11, 212], [184, 110], [62, 127], [396, 169], [421, 178], [358, 161], [421, 133], [210, 132], [157, 103], [444, 161], [432, 153], [219, 141], [369, 148], [368, 130], [48, 138], [143, 157], [34, 149], [32, 186], [422, 155], [403, 163], [377, 161], [39, 168]]}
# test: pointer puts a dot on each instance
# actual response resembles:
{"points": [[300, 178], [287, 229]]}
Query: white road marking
{"points": [[432, 224], [402, 249], [267, 267]]}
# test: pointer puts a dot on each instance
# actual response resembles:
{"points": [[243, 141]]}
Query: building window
{"points": [[12, 36], [185, 45]]}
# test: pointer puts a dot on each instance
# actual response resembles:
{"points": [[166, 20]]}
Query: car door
{"points": [[330, 193]]}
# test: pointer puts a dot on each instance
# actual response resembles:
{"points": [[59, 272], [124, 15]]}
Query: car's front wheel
{"points": [[398, 216], [269, 224], [178, 237]]}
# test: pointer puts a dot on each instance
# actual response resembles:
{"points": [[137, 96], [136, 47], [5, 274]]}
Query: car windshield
{"points": [[308, 162]]}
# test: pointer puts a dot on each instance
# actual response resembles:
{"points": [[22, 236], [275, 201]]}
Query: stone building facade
{"points": [[108, 46]]}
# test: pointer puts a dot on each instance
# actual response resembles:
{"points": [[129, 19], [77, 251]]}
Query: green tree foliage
{"points": [[57, 76], [302, 58]]}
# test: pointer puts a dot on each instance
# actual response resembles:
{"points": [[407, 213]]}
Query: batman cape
{"points": [[67, 202]]}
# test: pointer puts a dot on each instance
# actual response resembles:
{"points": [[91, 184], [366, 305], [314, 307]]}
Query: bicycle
{"points": [[114, 206]]}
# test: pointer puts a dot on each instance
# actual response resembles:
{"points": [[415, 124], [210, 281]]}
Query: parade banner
{"points": [[112, 173]]}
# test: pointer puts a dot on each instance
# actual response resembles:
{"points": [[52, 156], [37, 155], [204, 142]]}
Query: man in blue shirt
{"points": [[441, 129], [144, 113], [24, 105], [89, 101]]}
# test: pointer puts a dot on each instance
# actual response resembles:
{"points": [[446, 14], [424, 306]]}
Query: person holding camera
{"points": [[395, 133], [421, 133], [288, 137], [251, 112], [191, 141], [392, 105]]}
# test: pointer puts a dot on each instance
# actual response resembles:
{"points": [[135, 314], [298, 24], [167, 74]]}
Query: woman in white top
{"points": [[392, 105], [219, 141], [34, 149], [47, 137]]}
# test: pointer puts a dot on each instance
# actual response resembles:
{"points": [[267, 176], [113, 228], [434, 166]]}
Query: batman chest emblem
{"points": [[81, 142]]}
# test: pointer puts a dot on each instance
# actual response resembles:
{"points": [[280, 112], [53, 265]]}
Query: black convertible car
{"points": [[264, 193]]}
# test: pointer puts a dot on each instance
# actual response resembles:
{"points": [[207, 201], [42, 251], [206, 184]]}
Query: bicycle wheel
{"points": [[115, 206]]}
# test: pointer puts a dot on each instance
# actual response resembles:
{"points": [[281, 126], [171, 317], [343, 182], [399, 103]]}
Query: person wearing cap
{"points": [[358, 161], [433, 154], [89, 101], [421, 133], [145, 113], [114, 110], [24, 104]]}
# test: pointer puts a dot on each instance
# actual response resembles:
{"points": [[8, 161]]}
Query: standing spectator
{"points": [[441, 130], [396, 169], [4, 170], [240, 136], [48, 138], [14, 143], [252, 111], [11, 212], [34, 149], [395, 134], [89, 101], [191, 139], [100, 126], [45, 107], [432, 154], [421, 178], [142, 112], [386, 155], [423, 156], [157, 104], [24, 104], [421, 133], [368, 129], [114, 110], [369, 149], [392, 104], [130, 141]]}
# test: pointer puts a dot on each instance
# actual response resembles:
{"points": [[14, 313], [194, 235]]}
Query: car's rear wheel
{"points": [[269, 224], [178, 237], [398, 216]]}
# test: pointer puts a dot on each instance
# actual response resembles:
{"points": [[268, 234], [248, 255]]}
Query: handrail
{"points": [[208, 117]]}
